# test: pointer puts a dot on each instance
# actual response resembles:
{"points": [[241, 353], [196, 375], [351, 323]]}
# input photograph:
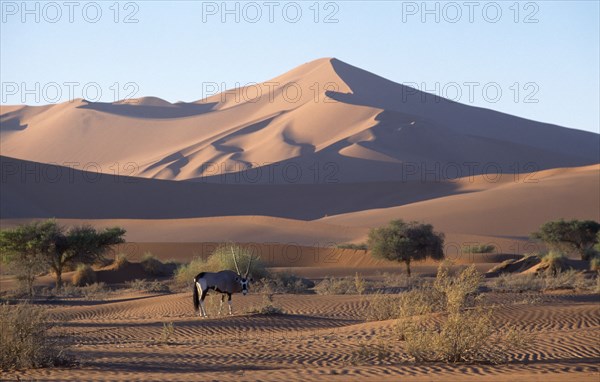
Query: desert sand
{"points": [[293, 167]]}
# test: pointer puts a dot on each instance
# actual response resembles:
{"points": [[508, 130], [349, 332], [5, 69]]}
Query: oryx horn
{"points": [[235, 261]]}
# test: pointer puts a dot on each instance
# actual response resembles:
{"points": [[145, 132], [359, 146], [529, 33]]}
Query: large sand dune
{"points": [[327, 119]]}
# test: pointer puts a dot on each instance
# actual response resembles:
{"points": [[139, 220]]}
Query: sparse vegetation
{"points": [[282, 282], [476, 248], [359, 284], [84, 275], [554, 261], [121, 261], [358, 247], [148, 286], [530, 282], [406, 242], [333, 285], [267, 306], [168, 330], [26, 342], [152, 265], [467, 333]]}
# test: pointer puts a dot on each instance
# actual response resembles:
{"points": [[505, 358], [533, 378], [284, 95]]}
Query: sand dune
{"points": [[506, 208], [329, 119]]}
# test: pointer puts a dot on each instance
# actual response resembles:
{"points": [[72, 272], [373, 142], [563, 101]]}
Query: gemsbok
{"points": [[226, 282]]}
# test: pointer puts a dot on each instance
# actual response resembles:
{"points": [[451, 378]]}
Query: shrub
{"points": [[152, 265], [120, 261], [358, 247], [464, 336], [222, 259], [359, 284], [282, 282], [84, 275], [332, 285], [25, 339], [554, 260], [467, 333], [185, 273], [148, 286], [383, 307], [517, 282], [484, 248]]}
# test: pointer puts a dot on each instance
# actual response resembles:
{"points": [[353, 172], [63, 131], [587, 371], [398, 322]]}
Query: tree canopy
{"points": [[49, 245], [572, 235], [404, 242]]}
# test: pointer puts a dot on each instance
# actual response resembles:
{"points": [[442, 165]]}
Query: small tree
{"points": [[81, 245], [575, 235], [23, 249], [43, 245], [404, 242]]}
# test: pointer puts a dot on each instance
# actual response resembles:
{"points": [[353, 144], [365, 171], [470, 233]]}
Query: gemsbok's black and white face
{"points": [[244, 282]]}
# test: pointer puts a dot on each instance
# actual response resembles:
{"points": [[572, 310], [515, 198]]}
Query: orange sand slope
{"points": [[325, 121]]}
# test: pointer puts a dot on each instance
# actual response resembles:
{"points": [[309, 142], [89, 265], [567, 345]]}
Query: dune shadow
{"points": [[177, 110]]}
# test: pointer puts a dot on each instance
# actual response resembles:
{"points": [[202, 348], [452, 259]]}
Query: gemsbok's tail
{"points": [[196, 297]]}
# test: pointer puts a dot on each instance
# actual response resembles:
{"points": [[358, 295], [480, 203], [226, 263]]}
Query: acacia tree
{"points": [[81, 245], [575, 235], [405, 242], [56, 247], [24, 248]]}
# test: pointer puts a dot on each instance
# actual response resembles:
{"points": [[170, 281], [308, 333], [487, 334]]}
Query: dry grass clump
{"points": [[148, 286], [185, 273], [465, 332], [383, 307], [168, 331], [554, 261], [369, 353], [517, 282], [95, 291], [152, 265], [333, 285], [120, 261], [526, 282], [282, 282], [25, 339], [464, 336], [84, 275]]}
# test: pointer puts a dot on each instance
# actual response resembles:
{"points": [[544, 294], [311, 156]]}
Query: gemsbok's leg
{"points": [[202, 308], [221, 304], [229, 303]]}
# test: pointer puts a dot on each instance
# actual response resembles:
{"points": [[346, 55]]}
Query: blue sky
{"points": [[543, 56]]}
